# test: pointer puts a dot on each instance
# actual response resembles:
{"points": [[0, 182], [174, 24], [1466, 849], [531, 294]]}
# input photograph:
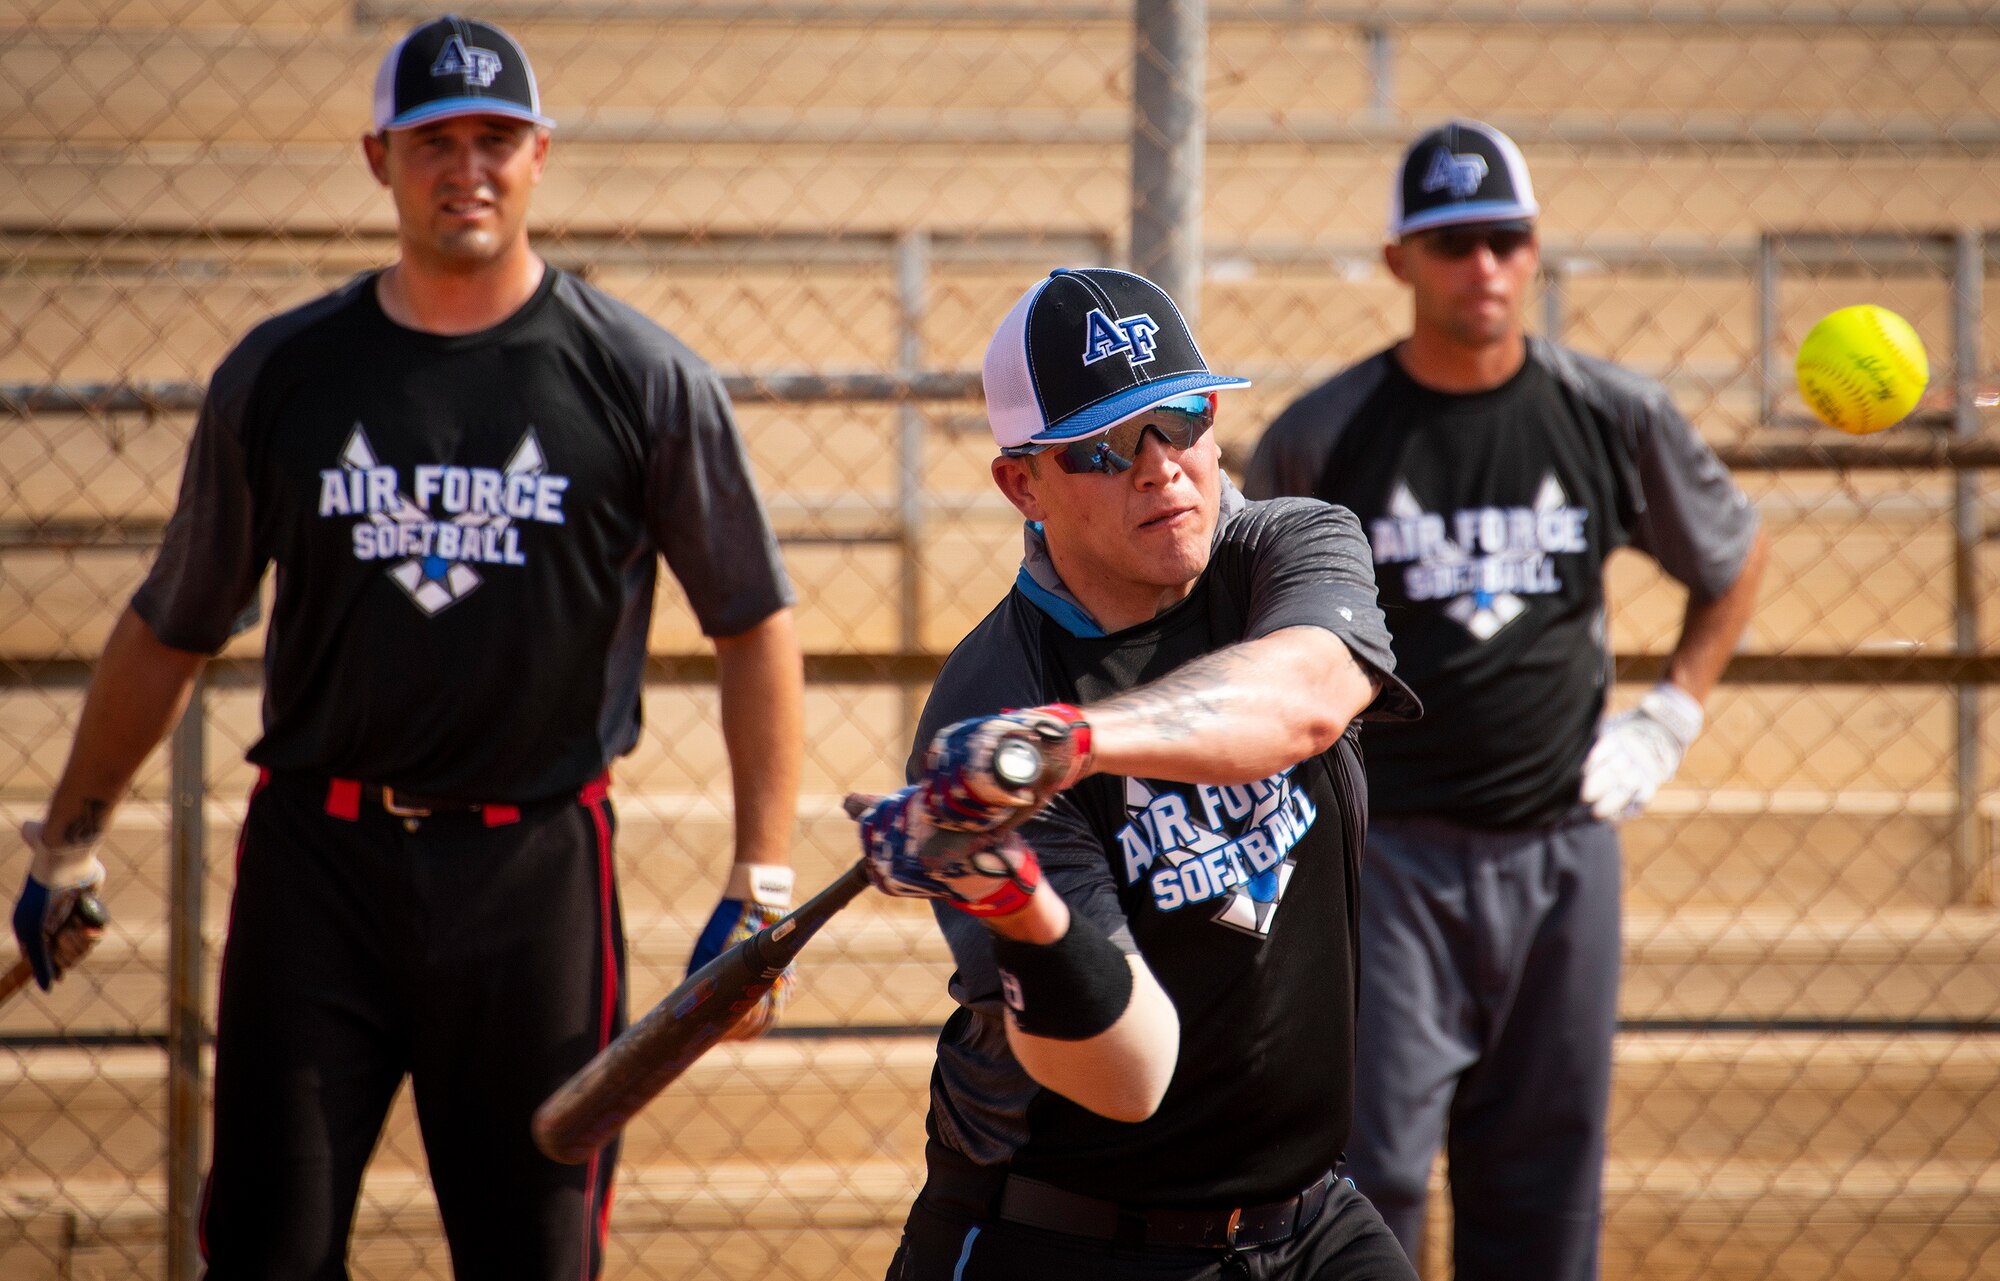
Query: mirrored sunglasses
{"points": [[1463, 242], [1180, 422]]}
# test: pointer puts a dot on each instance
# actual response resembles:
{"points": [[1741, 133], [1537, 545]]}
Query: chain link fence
{"points": [[834, 203]]}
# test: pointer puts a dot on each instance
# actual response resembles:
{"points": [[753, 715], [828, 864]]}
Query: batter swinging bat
{"points": [[592, 1106], [88, 913]]}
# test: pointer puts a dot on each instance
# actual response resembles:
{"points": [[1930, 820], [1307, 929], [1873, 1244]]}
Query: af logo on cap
{"points": [[1104, 337], [479, 66], [1459, 173]]}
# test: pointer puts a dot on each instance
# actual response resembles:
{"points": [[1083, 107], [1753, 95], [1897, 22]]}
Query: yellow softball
{"points": [[1862, 369]]}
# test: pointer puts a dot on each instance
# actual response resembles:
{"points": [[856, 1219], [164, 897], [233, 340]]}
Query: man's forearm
{"points": [[1711, 629], [762, 685], [136, 695], [1121, 1072], [1237, 715]]}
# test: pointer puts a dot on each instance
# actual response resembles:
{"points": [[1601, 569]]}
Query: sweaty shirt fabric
{"points": [[1241, 899], [466, 532], [1489, 517]]}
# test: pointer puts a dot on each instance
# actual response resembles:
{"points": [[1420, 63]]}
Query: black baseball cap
{"points": [[1462, 172], [453, 66], [1083, 351]]}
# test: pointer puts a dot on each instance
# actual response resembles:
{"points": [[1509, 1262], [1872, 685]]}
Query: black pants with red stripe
{"points": [[481, 957]]}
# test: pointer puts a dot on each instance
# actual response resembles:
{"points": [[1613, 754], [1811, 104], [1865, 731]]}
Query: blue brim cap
{"points": [[1085, 349], [1107, 414]]}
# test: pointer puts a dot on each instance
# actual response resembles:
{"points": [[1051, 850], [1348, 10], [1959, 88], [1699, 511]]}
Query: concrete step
{"points": [[1757, 965], [1744, 915], [99, 1115], [1872, 1221], [1838, 587], [166, 308], [1806, 853], [1685, 853], [277, 84], [854, 171], [1792, 1100], [1806, 1100], [886, 970], [731, 1219], [1866, 1220], [153, 16], [61, 603], [674, 852], [889, 970]]}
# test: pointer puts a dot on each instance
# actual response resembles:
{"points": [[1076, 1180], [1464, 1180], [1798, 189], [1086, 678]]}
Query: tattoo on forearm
{"points": [[88, 825], [1187, 701]]}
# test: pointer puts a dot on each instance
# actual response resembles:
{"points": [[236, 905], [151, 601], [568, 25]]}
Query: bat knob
{"points": [[1017, 762]]}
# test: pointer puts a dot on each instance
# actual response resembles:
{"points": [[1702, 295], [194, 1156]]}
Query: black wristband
{"points": [[1068, 990]]}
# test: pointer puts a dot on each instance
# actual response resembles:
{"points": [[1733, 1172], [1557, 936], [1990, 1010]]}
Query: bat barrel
{"points": [[589, 1109]]}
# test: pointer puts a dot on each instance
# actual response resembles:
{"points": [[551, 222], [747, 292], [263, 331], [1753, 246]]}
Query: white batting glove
{"points": [[1638, 751], [58, 875]]}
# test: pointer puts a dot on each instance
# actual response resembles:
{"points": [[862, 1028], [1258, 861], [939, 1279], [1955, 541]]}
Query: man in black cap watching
{"points": [[1494, 474], [465, 468], [1147, 1074]]}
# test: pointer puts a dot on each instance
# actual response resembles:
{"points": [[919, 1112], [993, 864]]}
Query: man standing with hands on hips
{"points": [[1156, 965], [465, 468], [1494, 473]]}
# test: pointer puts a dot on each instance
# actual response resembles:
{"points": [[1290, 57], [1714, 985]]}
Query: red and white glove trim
{"points": [[1012, 895], [1079, 736]]}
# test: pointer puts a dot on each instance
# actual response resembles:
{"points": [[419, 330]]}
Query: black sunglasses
{"points": [[1180, 422], [1463, 242]]}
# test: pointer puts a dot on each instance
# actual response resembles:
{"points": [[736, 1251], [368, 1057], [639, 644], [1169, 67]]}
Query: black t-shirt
{"points": [[1490, 516], [466, 531], [1241, 899]]}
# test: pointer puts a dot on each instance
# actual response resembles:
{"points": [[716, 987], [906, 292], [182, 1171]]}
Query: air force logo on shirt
{"points": [[480, 67], [1482, 561], [1104, 337], [460, 517], [1458, 173], [1230, 846]]}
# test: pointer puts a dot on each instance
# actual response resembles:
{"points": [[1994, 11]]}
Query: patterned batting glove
{"points": [[757, 897], [909, 856], [1638, 751], [57, 878], [967, 793]]}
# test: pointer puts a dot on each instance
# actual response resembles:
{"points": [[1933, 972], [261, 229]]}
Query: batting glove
{"points": [[968, 794], [57, 878], [757, 897], [909, 856], [1637, 751]]}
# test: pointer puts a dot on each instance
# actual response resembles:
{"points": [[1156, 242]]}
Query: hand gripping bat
{"points": [[88, 913], [592, 1106]]}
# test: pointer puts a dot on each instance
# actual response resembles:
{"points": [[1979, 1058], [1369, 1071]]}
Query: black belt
{"points": [[406, 805], [1038, 1205], [984, 1191], [343, 799]]}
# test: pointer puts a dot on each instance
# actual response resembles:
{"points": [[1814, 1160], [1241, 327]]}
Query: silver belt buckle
{"points": [[401, 811]]}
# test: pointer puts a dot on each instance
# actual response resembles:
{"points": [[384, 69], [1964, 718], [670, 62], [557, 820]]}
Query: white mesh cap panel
{"points": [[385, 84], [1012, 408]]}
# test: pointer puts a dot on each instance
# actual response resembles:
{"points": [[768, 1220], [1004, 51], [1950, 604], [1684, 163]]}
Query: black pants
{"points": [[946, 1240], [485, 962]]}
